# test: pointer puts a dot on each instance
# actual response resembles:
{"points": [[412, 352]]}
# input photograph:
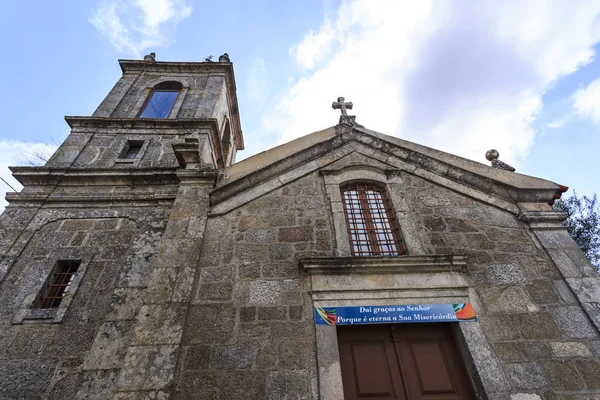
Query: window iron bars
{"points": [[372, 226], [58, 284]]}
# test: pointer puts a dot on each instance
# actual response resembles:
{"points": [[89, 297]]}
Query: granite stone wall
{"points": [[547, 344], [78, 358], [250, 333]]}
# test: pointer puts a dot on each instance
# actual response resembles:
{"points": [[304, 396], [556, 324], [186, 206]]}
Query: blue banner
{"points": [[397, 314]]}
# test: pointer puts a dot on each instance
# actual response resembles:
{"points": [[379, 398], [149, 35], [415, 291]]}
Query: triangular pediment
{"points": [[352, 147]]}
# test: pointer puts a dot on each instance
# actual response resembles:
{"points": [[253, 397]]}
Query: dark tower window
{"points": [[372, 227], [58, 284], [160, 102], [133, 149]]}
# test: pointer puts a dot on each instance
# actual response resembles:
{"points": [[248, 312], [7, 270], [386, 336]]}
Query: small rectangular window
{"points": [[58, 284], [132, 150]]}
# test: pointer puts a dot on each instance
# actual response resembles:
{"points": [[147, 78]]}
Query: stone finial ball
{"points": [[492, 154]]}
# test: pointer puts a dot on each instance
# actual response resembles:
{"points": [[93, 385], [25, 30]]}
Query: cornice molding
{"points": [[141, 123], [543, 220], [384, 265]]}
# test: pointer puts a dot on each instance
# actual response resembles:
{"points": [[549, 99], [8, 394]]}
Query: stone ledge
{"points": [[29, 176], [141, 123], [384, 265]]}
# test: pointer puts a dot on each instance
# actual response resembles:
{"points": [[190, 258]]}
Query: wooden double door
{"points": [[402, 361]]}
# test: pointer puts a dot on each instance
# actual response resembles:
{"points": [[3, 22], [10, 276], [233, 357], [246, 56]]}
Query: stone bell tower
{"points": [[154, 105], [103, 241]]}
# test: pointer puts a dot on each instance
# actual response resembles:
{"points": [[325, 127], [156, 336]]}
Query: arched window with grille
{"points": [[160, 102], [372, 226]]}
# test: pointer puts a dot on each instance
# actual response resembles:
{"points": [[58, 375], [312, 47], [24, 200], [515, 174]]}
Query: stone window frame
{"points": [[122, 149], [28, 314], [393, 184], [147, 92]]}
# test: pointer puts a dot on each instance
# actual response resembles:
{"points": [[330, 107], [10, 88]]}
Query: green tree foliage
{"points": [[583, 222]]}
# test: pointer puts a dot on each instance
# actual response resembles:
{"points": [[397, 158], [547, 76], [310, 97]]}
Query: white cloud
{"points": [[135, 25], [19, 153], [587, 101], [460, 79]]}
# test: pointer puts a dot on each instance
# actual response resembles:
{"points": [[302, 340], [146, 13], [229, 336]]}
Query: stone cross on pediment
{"points": [[340, 104], [345, 119]]}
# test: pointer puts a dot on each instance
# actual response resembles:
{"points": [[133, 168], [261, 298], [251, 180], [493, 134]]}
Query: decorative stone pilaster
{"points": [[153, 351]]}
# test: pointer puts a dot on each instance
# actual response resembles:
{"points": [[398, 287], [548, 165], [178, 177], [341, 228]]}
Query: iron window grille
{"points": [[372, 226], [58, 284]]}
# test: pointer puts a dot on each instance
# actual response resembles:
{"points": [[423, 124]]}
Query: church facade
{"points": [[143, 262]]}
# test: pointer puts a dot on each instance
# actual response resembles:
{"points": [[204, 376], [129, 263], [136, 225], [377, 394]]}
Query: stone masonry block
{"points": [[109, 346], [218, 274], [210, 323], [504, 274], [570, 349], [197, 357], [235, 356], [261, 235], [511, 299], [218, 291], [500, 327], [247, 385], [271, 313], [296, 234], [148, 367], [573, 322], [288, 385], [590, 372], [159, 324], [539, 325], [264, 292], [526, 375], [542, 292], [562, 375]]}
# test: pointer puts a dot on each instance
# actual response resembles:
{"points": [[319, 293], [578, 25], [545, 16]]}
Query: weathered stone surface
{"points": [[538, 325], [197, 357], [271, 313], [573, 322], [25, 377], [511, 299], [487, 364], [570, 349], [296, 234], [503, 274], [235, 356], [526, 375], [264, 292], [148, 367], [509, 351], [209, 323], [562, 375], [500, 327], [249, 385], [542, 292], [525, 396], [219, 291], [590, 372], [288, 385], [109, 347]]}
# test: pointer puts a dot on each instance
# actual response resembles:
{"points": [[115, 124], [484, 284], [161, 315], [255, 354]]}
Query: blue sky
{"points": [[521, 77]]}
